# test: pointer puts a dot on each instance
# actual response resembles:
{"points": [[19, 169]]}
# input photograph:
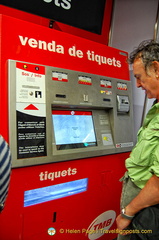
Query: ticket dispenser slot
{"points": [[59, 114]]}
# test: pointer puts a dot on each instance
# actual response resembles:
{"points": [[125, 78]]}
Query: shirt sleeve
{"points": [[5, 171], [154, 169]]}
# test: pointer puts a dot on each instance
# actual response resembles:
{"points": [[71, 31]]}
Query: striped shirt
{"points": [[5, 170]]}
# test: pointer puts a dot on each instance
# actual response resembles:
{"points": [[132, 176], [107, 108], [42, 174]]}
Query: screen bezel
{"points": [[79, 144]]}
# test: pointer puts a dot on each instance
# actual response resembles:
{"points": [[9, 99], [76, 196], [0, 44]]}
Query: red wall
{"points": [[78, 211]]}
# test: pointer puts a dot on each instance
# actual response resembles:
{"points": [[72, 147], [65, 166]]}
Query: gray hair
{"points": [[148, 51]]}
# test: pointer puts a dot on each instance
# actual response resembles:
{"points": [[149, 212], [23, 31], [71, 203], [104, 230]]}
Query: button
{"points": [[85, 97]]}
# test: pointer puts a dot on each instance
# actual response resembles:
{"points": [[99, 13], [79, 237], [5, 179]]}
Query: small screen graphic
{"points": [[73, 129]]}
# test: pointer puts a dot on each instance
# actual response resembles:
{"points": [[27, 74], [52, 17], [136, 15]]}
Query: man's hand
{"points": [[122, 223], [148, 196]]}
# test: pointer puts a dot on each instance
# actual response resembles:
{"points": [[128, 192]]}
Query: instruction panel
{"points": [[31, 110]]}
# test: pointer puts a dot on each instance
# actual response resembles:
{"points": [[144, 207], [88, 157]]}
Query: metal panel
{"points": [[37, 90]]}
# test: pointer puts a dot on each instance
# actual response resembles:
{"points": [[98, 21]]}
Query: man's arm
{"points": [[148, 196]]}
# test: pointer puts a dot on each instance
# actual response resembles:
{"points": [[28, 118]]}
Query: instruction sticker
{"points": [[31, 130], [30, 83], [30, 110], [107, 139]]}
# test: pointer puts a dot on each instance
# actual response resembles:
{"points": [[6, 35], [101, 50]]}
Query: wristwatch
{"points": [[124, 215]]}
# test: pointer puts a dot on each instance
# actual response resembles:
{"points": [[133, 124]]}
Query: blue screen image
{"points": [[49, 193]]}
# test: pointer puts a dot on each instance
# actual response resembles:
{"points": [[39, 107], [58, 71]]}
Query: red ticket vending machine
{"points": [[67, 113]]}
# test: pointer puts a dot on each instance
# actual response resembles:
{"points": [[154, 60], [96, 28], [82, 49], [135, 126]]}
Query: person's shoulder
{"points": [[2, 140], [4, 146]]}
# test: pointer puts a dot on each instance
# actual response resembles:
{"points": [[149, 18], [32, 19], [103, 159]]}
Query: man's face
{"points": [[148, 81]]}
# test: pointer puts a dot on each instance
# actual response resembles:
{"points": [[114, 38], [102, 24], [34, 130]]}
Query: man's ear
{"points": [[156, 68]]}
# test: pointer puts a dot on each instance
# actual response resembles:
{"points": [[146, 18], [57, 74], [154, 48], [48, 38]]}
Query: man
{"points": [[141, 181], [5, 169]]}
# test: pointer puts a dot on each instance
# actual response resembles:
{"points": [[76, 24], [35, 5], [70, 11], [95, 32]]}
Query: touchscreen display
{"points": [[73, 129]]}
